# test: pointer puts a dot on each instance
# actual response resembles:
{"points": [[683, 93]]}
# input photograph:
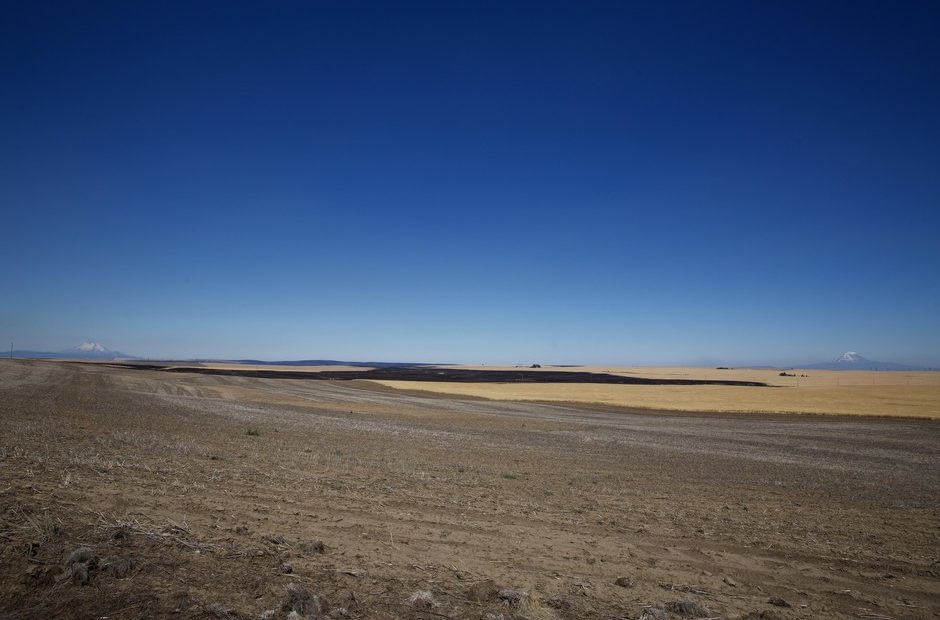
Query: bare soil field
{"points": [[145, 494]]}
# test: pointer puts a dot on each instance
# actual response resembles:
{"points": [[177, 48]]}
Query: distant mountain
{"points": [[89, 346], [851, 360], [88, 350]]}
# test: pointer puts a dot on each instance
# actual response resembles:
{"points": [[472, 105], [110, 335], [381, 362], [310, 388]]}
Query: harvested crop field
{"points": [[825, 392], [139, 493]]}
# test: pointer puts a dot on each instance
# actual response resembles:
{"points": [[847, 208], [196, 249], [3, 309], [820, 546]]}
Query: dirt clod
{"points": [[221, 612], [515, 598], [82, 554], [80, 565], [624, 582], [557, 602], [652, 613], [119, 568], [80, 574], [422, 598], [689, 609], [482, 591], [121, 534], [301, 600], [312, 546], [779, 602], [761, 615]]}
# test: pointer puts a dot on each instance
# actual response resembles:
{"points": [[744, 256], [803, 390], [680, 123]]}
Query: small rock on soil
{"points": [[302, 601], [422, 598], [689, 609], [119, 568], [653, 613], [482, 591]]}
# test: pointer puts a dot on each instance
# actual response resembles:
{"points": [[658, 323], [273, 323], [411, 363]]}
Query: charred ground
{"points": [[458, 375]]}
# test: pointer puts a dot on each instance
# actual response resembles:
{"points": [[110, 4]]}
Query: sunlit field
{"points": [[905, 394]]}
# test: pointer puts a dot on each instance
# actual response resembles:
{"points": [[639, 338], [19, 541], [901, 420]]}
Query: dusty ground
{"points": [[837, 516], [878, 393]]}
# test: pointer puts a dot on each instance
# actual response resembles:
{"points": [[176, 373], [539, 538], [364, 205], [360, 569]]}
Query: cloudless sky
{"points": [[656, 182]]}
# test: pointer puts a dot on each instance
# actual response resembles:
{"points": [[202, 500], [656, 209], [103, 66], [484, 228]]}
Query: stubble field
{"points": [[201, 496], [825, 392]]}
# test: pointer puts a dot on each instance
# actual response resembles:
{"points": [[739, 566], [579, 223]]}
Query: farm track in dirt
{"points": [[210, 485]]}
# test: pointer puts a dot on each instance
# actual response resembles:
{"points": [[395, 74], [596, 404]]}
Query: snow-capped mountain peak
{"points": [[90, 346], [93, 350], [851, 360], [88, 350], [850, 357]]}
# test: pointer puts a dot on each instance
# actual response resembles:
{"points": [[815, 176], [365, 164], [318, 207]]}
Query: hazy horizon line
{"points": [[405, 359]]}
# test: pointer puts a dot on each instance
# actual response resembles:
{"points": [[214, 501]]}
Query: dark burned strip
{"points": [[456, 375]]}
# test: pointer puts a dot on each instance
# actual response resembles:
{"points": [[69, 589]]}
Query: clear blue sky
{"points": [[739, 182]]}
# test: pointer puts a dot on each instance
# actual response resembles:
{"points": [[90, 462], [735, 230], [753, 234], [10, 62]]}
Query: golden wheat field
{"points": [[871, 393]]}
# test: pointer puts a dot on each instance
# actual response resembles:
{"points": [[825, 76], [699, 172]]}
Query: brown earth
{"points": [[194, 493]]}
